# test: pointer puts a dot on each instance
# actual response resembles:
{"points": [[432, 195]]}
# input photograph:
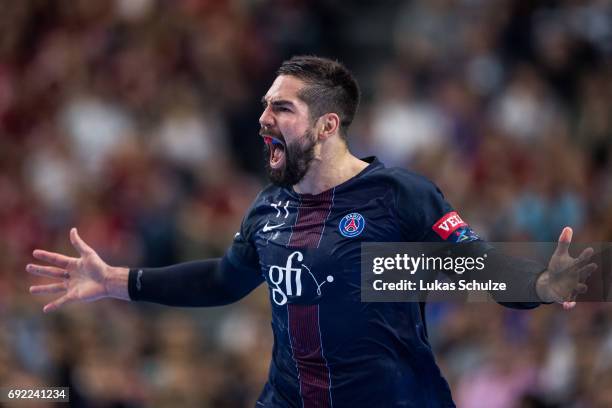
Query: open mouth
{"points": [[277, 151]]}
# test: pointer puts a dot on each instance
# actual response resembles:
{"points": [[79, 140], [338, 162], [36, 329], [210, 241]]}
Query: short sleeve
{"points": [[425, 215], [242, 253]]}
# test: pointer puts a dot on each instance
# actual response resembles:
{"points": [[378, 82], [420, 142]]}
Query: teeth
{"points": [[276, 155], [276, 147], [272, 149]]}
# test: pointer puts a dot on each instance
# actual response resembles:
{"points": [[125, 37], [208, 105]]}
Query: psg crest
{"points": [[351, 225]]}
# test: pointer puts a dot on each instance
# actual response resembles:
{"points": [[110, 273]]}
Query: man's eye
{"points": [[282, 109]]}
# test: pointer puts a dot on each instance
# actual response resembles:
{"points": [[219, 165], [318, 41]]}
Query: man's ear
{"points": [[328, 125]]}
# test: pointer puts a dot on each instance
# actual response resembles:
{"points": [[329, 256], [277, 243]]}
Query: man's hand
{"points": [[565, 276], [83, 279]]}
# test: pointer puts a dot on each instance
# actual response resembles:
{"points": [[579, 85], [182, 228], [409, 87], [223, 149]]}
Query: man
{"points": [[302, 235]]}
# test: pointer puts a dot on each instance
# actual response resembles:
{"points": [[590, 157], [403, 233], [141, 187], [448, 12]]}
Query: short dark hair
{"points": [[330, 87]]}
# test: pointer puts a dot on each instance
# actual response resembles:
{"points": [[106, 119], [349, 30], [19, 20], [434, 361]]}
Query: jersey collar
{"points": [[373, 164]]}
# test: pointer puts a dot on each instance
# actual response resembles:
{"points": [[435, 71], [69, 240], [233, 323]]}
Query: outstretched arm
{"points": [[529, 282], [88, 278], [211, 282]]}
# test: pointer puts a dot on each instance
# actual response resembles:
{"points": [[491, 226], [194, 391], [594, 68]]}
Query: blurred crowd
{"points": [[136, 121]]}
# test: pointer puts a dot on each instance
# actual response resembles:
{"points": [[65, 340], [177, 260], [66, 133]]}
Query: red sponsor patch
{"points": [[448, 224]]}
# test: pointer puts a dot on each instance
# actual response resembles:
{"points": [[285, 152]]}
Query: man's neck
{"points": [[330, 169]]}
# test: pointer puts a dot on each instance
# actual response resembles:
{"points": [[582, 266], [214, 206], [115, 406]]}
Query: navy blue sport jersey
{"points": [[330, 349]]}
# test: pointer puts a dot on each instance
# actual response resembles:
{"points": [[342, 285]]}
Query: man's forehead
{"points": [[284, 87]]}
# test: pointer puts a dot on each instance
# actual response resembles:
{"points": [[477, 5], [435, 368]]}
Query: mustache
{"points": [[269, 132], [272, 137]]}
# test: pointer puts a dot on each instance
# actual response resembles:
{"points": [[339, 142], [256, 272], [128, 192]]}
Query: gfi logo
{"points": [[292, 278]]}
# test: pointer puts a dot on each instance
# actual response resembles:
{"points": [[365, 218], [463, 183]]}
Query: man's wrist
{"points": [[116, 283]]}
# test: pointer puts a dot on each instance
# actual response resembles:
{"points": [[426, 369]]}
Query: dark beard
{"points": [[297, 162]]}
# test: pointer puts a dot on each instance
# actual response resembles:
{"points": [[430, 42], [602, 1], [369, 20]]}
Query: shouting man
{"points": [[302, 236]]}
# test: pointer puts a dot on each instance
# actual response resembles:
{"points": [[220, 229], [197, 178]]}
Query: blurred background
{"points": [[136, 120]]}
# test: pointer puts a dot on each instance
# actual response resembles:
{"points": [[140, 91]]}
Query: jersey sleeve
{"points": [[426, 216], [242, 253]]}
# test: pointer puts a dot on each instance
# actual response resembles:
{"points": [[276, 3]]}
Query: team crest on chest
{"points": [[351, 225]]}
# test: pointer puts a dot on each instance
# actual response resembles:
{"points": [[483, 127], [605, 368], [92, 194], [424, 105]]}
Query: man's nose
{"points": [[267, 118]]}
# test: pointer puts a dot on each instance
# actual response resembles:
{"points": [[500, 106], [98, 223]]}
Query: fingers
{"points": [[564, 241], [56, 304], [53, 258], [568, 305], [47, 271], [48, 289], [585, 255], [78, 243], [586, 271], [581, 288]]}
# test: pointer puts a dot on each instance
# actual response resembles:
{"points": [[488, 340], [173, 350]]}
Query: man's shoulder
{"points": [[264, 199], [403, 180], [270, 196]]}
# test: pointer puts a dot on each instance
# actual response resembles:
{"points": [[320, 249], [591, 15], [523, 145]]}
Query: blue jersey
{"points": [[331, 349]]}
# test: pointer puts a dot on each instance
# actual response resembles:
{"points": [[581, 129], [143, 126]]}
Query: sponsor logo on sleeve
{"points": [[448, 224]]}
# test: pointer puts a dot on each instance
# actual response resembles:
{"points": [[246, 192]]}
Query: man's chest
{"points": [[309, 249]]}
